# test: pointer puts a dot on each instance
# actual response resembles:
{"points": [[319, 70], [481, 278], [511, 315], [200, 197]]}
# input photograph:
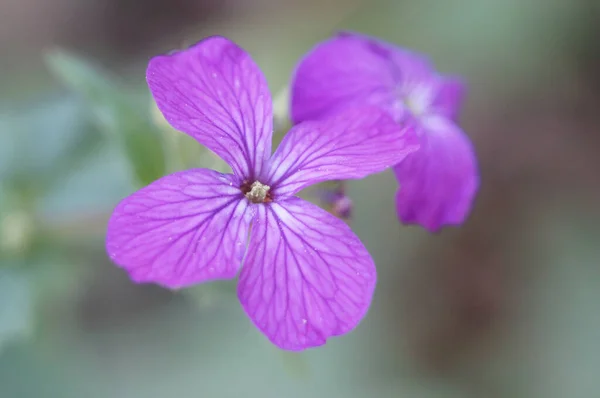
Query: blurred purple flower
{"points": [[306, 276], [437, 183], [335, 200], [342, 206]]}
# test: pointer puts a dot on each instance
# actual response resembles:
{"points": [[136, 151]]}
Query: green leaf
{"points": [[53, 138], [212, 294], [296, 364], [27, 371], [16, 305], [281, 115], [114, 113]]}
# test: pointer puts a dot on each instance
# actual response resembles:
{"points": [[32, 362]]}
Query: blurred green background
{"points": [[505, 306]]}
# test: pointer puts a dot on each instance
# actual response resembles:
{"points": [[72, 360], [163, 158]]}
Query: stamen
{"points": [[418, 99], [258, 193]]}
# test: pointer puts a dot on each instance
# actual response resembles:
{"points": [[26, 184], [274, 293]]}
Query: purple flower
{"points": [[437, 183], [306, 276], [335, 200]]}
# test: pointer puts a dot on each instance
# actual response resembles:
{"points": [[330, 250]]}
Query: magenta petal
{"points": [[438, 183], [350, 145], [214, 92], [449, 98], [353, 70], [185, 228], [306, 276], [341, 72]]}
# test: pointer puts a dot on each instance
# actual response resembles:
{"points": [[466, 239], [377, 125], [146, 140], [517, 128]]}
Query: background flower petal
{"points": [[353, 70], [215, 92], [306, 276], [438, 182], [341, 72], [449, 98], [349, 145], [186, 228]]}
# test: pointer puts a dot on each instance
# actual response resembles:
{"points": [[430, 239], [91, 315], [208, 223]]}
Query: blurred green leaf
{"points": [[6, 148], [16, 305], [25, 371], [42, 142], [114, 113], [74, 155], [296, 364], [212, 294], [282, 123]]}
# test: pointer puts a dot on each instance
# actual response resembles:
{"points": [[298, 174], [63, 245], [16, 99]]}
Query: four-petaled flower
{"points": [[438, 182], [305, 276]]}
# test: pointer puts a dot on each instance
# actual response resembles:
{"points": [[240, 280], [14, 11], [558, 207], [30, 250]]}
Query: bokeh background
{"points": [[508, 305]]}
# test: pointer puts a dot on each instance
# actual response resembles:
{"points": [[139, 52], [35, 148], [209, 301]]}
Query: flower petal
{"points": [[450, 96], [186, 228], [306, 276], [438, 183], [214, 92], [349, 145], [353, 70], [339, 73]]}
